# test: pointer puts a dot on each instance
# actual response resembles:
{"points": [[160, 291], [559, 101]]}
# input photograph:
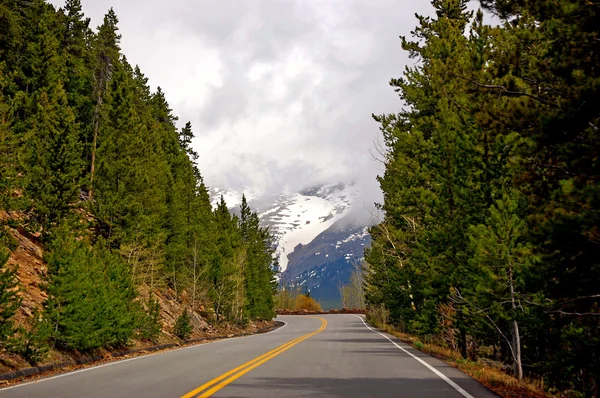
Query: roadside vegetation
{"points": [[493, 374], [105, 218], [488, 244], [292, 299]]}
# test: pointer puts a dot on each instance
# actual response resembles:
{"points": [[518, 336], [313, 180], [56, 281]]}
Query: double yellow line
{"points": [[207, 389]]}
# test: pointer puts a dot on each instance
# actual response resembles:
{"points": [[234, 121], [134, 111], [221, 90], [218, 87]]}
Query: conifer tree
{"points": [[124, 199], [150, 323], [90, 295], [432, 168], [106, 52], [75, 42], [183, 327], [9, 298], [74, 115], [222, 268], [504, 112], [8, 147], [503, 257], [258, 271], [53, 159]]}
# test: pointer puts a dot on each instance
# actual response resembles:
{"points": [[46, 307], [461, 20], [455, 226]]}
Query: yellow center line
{"points": [[241, 370], [232, 371]]}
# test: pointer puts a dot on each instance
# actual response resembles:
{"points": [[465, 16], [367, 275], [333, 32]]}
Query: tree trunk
{"points": [[517, 344], [462, 334], [412, 299], [94, 145], [102, 88], [194, 286], [516, 336]]}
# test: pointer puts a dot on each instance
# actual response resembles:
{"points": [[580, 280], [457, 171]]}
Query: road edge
{"points": [[444, 377], [22, 375]]}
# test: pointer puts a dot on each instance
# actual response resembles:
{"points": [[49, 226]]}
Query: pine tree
{"points": [[75, 40], [259, 276], [106, 52], [90, 295], [130, 196], [150, 324], [503, 258], [74, 115], [10, 300], [8, 153], [546, 62], [504, 112], [222, 268], [183, 327], [431, 172], [53, 158]]}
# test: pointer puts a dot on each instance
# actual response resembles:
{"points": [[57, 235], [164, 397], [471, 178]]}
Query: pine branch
{"points": [[582, 298], [506, 92], [560, 312]]}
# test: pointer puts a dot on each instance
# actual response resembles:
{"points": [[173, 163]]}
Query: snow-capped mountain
{"points": [[317, 242], [326, 263]]}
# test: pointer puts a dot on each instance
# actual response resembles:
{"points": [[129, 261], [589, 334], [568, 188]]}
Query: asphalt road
{"points": [[325, 356]]}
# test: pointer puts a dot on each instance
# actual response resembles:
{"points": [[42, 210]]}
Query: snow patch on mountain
{"points": [[301, 217], [232, 198], [298, 218]]}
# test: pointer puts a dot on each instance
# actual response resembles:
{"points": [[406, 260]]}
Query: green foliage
{"points": [[90, 295], [53, 158], [32, 344], [7, 239], [183, 326], [9, 297], [149, 323], [94, 161], [258, 272], [490, 188]]}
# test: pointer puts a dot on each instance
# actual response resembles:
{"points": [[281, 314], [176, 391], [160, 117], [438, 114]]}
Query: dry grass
{"points": [[501, 383], [490, 375], [307, 303]]}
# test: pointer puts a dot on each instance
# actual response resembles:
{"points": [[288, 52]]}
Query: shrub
{"points": [[7, 239], [32, 344], [149, 322], [183, 326], [304, 302]]}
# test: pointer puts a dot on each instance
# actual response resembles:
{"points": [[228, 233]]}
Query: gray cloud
{"points": [[280, 92]]}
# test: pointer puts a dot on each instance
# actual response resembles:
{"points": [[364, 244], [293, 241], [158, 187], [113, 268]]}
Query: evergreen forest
{"points": [[489, 240], [95, 169], [490, 236]]}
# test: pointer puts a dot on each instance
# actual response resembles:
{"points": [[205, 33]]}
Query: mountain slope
{"points": [[317, 239], [326, 263]]}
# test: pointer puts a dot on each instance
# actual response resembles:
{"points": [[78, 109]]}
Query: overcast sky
{"points": [[280, 93]]}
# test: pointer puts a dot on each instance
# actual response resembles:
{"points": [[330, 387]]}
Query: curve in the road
{"points": [[209, 388]]}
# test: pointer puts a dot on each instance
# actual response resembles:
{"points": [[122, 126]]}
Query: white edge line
{"points": [[119, 361], [428, 366]]}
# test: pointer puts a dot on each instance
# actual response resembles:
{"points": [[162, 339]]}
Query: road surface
{"points": [[324, 356]]}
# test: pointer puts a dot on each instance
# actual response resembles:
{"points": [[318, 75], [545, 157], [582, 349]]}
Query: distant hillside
{"points": [[317, 239], [324, 264]]}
